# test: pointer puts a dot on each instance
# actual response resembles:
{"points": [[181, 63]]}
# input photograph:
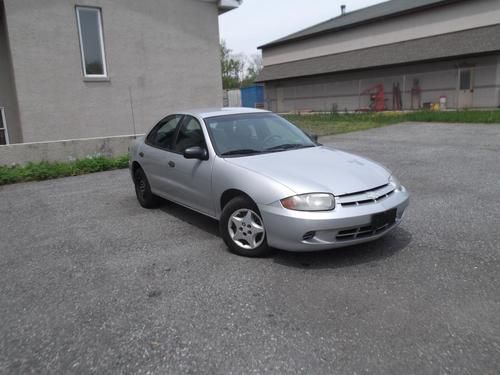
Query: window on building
{"points": [[4, 136], [91, 42]]}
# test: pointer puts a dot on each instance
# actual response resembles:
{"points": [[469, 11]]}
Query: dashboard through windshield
{"points": [[256, 133]]}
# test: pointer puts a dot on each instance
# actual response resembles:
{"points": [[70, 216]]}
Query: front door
{"points": [[4, 136], [155, 155], [466, 88], [191, 178]]}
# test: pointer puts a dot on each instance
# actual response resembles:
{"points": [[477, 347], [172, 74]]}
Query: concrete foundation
{"points": [[67, 150]]}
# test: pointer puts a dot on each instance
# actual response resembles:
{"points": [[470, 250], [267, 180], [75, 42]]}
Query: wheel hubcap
{"points": [[246, 229], [141, 185]]}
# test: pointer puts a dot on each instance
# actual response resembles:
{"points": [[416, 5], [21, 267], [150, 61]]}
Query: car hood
{"points": [[317, 169]]}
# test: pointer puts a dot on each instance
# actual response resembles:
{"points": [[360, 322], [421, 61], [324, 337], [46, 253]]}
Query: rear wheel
{"points": [[143, 190], [242, 228]]}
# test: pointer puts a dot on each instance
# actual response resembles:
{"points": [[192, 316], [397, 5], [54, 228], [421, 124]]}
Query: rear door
{"points": [[155, 154], [466, 87], [192, 178]]}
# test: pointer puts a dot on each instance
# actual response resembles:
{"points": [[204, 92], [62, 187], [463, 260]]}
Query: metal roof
{"points": [[373, 13], [469, 42]]}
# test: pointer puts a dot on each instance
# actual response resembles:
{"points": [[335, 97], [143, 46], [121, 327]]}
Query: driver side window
{"points": [[163, 134], [190, 135]]}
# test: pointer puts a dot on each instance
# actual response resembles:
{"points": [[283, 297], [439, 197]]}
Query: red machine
{"points": [[377, 97]]}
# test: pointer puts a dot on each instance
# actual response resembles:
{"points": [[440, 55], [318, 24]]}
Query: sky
{"points": [[258, 22]]}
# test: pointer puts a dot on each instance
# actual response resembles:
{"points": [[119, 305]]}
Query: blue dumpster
{"points": [[252, 96]]}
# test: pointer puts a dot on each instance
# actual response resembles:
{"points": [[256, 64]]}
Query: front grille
{"points": [[362, 232], [367, 196]]}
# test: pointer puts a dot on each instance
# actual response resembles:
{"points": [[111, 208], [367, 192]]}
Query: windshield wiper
{"points": [[288, 146], [244, 151]]}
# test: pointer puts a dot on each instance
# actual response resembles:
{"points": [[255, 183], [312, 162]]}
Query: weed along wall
{"points": [[61, 151]]}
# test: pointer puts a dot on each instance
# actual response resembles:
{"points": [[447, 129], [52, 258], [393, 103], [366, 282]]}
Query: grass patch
{"points": [[329, 124], [49, 170], [338, 123], [479, 117]]}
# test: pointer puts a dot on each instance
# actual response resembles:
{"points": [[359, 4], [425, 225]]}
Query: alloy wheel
{"points": [[246, 229]]}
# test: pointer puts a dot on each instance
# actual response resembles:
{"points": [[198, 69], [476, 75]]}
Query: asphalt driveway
{"points": [[92, 283]]}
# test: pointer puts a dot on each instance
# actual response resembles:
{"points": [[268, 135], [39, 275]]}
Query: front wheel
{"points": [[242, 228]]}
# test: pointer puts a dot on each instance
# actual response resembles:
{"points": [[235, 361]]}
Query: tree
{"points": [[238, 70], [232, 68], [253, 69]]}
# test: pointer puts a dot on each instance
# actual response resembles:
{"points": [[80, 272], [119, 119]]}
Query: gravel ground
{"points": [[92, 283]]}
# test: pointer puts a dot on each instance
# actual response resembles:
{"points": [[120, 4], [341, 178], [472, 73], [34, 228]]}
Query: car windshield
{"points": [[255, 133]]}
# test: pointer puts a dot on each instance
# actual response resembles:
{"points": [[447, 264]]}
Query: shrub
{"points": [[47, 170]]}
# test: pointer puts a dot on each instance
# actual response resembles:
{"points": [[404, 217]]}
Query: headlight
{"points": [[395, 182], [310, 202]]}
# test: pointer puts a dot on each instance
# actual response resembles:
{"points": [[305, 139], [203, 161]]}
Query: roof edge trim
{"points": [[290, 39]]}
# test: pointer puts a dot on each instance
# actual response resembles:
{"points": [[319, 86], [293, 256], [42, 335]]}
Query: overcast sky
{"points": [[258, 22]]}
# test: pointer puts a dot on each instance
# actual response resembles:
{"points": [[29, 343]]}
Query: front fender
{"points": [[262, 189]]}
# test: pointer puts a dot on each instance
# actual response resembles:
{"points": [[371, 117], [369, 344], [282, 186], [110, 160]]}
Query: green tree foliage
{"points": [[238, 70], [231, 68], [254, 67]]}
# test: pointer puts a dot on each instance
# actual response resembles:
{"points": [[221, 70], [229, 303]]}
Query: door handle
{"points": [[141, 154], [171, 164]]}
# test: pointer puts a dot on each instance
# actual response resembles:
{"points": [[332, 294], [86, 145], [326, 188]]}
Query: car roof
{"points": [[226, 111]]}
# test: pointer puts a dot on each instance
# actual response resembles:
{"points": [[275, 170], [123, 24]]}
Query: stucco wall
{"points": [[166, 52], [67, 150], [342, 90], [8, 98], [454, 17]]}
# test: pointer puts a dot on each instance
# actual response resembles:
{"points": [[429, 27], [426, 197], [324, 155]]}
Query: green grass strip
{"points": [[49, 170], [338, 123]]}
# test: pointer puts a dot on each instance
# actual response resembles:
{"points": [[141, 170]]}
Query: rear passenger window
{"points": [[163, 134], [190, 135]]}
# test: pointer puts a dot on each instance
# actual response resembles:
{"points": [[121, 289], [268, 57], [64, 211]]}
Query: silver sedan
{"points": [[269, 184]]}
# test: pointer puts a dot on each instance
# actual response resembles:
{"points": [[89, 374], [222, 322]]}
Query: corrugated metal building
{"points": [[417, 51]]}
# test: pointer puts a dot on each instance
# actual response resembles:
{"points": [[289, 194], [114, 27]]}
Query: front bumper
{"points": [[344, 226]]}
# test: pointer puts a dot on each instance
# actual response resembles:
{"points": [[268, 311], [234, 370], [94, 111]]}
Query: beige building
{"points": [[409, 53], [95, 68]]}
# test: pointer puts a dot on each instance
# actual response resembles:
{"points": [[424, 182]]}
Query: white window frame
{"points": [[101, 39], [4, 124]]}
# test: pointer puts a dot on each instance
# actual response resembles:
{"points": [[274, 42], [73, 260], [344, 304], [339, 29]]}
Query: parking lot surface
{"points": [[92, 283]]}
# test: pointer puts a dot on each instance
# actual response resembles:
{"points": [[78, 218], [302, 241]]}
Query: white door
{"points": [[4, 135], [280, 99], [466, 87]]}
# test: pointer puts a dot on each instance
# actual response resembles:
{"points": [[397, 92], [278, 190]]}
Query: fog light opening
{"points": [[309, 236]]}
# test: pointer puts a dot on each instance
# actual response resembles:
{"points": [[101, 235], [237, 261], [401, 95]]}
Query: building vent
{"points": [[343, 10]]}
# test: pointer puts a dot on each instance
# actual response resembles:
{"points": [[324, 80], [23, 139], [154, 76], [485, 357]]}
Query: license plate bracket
{"points": [[384, 218]]}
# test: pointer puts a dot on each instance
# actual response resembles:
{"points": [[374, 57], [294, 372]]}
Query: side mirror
{"points": [[196, 152]]}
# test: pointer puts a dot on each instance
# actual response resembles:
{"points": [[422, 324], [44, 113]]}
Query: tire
{"points": [[143, 190], [242, 229]]}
